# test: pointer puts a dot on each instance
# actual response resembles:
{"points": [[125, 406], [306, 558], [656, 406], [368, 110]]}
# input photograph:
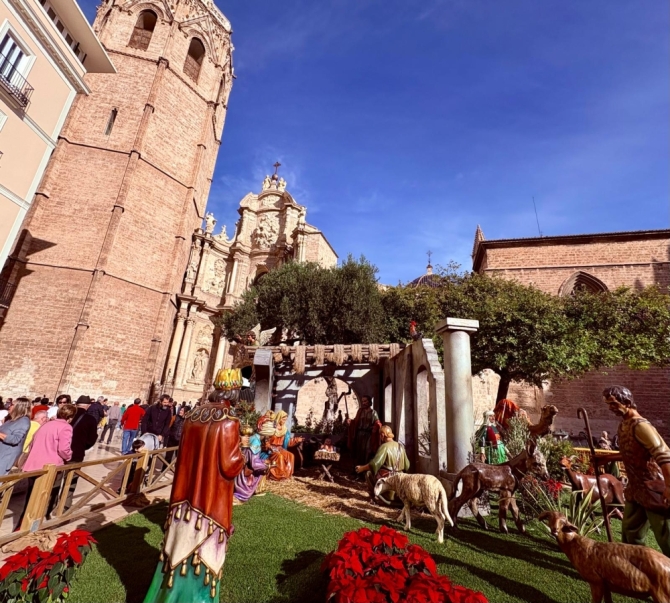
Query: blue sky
{"points": [[402, 124]]}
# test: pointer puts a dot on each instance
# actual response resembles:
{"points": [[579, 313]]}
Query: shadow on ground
{"points": [[134, 564], [301, 578]]}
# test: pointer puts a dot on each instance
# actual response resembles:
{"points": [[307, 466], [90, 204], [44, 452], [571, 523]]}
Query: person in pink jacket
{"points": [[51, 445]]}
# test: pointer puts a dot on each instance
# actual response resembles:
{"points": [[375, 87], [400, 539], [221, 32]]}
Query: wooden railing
{"points": [[55, 487]]}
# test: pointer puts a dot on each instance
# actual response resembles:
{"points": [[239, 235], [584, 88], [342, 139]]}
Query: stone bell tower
{"points": [[104, 251]]}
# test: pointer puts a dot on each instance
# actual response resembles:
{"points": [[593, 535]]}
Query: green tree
{"points": [[315, 304], [526, 335]]}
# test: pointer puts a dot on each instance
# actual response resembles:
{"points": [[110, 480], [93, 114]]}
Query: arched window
{"points": [[194, 58], [581, 281], [143, 30]]}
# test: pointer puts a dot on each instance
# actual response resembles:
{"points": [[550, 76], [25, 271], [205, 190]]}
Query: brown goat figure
{"points": [[611, 487], [612, 567], [543, 426], [504, 478]]}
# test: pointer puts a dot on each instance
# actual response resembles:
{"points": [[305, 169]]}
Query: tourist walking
{"points": [[37, 422], [13, 434], [51, 445], [60, 400], [113, 417], [84, 436], [38, 405], [130, 421], [175, 432], [97, 410], [158, 418]]}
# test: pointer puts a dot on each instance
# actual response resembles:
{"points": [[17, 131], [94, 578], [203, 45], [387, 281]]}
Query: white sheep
{"points": [[612, 567], [419, 490]]}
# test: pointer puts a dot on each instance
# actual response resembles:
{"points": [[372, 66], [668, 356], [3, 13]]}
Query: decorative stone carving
{"points": [[266, 183], [302, 216], [210, 222], [192, 268], [222, 236], [281, 187], [270, 201], [216, 277], [204, 337], [199, 364], [266, 232]]}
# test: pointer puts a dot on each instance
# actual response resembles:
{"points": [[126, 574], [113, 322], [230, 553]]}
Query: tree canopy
{"points": [[525, 335], [317, 305]]}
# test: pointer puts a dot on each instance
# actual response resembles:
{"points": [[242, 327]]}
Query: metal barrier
{"points": [[53, 498]]}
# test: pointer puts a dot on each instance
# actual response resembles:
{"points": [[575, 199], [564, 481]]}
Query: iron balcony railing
{"points": [[13, 82], [6, 293]]}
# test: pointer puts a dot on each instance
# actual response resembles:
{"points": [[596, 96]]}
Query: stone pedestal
{"points": [[455, 334]]}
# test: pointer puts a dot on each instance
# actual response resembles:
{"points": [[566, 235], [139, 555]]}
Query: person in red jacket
{"points": [[131, 423]]}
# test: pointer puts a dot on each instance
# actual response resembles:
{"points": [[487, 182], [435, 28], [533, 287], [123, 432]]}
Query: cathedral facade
{"points": [[102, 253], [272, 229]]}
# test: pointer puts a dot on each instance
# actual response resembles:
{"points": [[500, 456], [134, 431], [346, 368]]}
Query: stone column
{"points": [[220, 351], [183, 356], [233, 277], [174, 348], [455, 334]]}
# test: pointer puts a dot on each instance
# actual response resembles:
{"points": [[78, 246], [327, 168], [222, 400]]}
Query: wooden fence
{"points": [[53, 500]]}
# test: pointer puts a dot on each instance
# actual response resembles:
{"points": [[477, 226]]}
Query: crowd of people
{"points": [[43, 432]]}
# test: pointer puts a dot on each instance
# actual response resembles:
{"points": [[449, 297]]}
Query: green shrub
{"points": [[554, 450]]}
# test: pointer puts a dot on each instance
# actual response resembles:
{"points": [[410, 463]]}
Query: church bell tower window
{"points": [[194, 58], [143, 30]]}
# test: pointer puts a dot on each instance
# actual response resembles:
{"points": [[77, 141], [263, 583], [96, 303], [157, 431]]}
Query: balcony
{"points": [[14, 83]]}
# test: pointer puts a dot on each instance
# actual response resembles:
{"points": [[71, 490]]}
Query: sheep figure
{"points": [[612, 567], [419, 490]]}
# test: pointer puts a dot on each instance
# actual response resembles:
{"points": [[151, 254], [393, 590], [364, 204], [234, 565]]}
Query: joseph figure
{"points": [[364, 432], [199, 521]]}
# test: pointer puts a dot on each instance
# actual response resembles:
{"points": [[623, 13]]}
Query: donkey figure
{"points": [[504, 478]]}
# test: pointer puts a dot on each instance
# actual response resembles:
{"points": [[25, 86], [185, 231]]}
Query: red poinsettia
{"points": [[382, 567], [34, 575]]}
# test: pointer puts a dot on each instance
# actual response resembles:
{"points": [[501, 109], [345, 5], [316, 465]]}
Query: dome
{"points": [[427, 280]]}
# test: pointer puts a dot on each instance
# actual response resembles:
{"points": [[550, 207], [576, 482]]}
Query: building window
{"points": [[194, 58], [144, 29], [3, 119], [60, 26], [110, 121], [13, 62], [581, 281]]}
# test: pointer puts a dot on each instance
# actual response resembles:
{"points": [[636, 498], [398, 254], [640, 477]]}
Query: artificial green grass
{"points": [[277, 549]]}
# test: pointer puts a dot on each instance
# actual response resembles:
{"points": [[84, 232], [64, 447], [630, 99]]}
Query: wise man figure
{"points": [[199, 520], [647, 460], [363, 434], [391, 458]]}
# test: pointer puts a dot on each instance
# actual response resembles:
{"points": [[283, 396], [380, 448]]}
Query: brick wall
{"points": [[111, 228], [635, 264], [631, 263]]}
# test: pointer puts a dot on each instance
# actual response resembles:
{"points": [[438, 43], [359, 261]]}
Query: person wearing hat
{"points": [[201, 503]]}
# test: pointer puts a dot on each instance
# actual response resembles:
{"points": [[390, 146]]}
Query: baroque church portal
{"points": [[271, 230]]}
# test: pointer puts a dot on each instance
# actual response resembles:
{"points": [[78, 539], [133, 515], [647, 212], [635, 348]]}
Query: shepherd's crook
{"points": [[581, 412]]}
